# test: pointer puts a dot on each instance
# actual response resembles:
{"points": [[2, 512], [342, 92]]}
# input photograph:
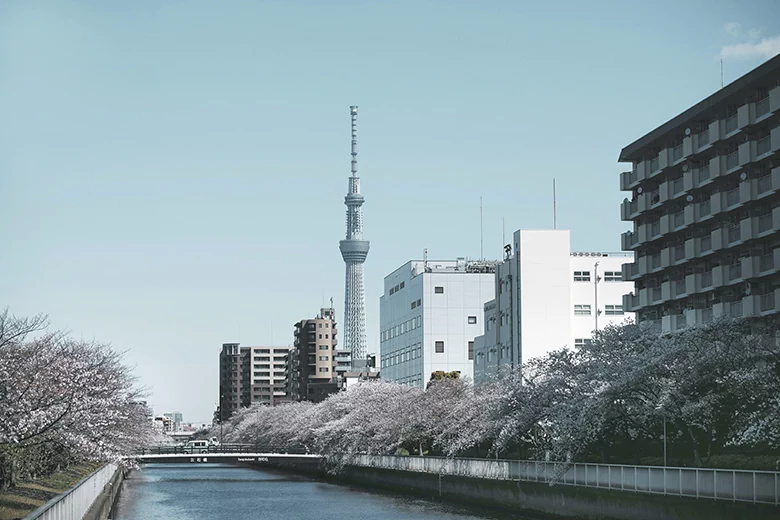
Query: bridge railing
{"points": [[718, 484], [74, 503], [221, 448]]}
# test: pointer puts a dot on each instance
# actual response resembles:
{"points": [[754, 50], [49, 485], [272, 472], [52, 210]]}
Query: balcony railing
{"points": [[704, 208], [763, 145], [706, 279], [680, 322], [704, 137], [764, 184], [764, 222], [735, 271], [677, 152], [706, 243], [678, 220], [679, 287], [768, 301], [732, 160], [655, 293], [655, 261], [762, 107], [678, 253], [731, 123], [655, 228], [703, 173], [706, 316], [732, 197], [677, 186], [653, 165], [733, 234], [735, 309], [766, 262]]}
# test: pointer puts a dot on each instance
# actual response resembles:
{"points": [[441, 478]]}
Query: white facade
{"points": [[597, 291], [429, 315], [545, 299]]}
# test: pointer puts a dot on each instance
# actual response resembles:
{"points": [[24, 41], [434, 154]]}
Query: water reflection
{"points": [[214, 491]]}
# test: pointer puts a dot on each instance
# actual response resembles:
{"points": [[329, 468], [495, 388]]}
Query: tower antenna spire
{"points": [[353, 113], [354, 250]]}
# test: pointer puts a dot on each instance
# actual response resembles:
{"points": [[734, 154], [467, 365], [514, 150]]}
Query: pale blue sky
{"points": [[172, 173]]}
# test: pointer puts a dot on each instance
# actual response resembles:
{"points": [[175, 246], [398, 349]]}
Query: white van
{"points": [[196, 447]]}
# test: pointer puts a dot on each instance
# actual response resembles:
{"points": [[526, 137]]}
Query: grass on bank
{"points": [[29, 495]]}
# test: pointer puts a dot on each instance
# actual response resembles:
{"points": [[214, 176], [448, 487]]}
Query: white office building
{"points": [[429, 314], [547, 297]]}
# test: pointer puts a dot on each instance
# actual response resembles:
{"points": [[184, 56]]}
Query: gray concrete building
{"points": [[705, 208], [249, 375], [314, 365]]}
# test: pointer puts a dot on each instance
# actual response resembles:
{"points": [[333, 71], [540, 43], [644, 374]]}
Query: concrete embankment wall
{"points": [[90, 499], [535, 498], [104, 503]]}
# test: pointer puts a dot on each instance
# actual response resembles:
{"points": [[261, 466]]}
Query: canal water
{"points": [[219, 492]]}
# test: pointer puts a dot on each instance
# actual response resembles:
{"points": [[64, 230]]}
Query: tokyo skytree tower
{"points": [[354, 251]]}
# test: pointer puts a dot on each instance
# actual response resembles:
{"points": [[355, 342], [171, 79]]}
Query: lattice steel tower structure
{"points": [[354, 251]]}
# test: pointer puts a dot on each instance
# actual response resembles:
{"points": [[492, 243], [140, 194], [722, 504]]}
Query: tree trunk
{"points": [[696, 451]]}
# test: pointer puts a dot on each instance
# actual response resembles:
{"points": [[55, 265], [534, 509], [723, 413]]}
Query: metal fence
{"points": [[74, 504], [719, 484]]}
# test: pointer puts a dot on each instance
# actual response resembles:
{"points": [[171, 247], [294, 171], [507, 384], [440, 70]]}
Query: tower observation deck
{"points": [[354, 251]]}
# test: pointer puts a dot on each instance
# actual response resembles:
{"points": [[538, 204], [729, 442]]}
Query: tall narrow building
{"points": [[354, 250]]}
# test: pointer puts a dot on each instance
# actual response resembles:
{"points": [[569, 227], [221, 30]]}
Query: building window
{"points": [[320, 325], [438, 289], [401, 286], [419, 302], [471, 350], [324, 347], [582, 310], [581, 276], [414, 304], [323, 369], [392, 290], [323, 358], [327, 325], [320, 336], [582, 342], [439, 347], [613, 310], [326, 336], [472, 320], [613, 276]]}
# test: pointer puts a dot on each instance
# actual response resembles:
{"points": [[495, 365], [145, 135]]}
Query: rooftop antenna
{"points": [[721, 71], [503, 231], [481, 234], [555, 209], [425, 259]]}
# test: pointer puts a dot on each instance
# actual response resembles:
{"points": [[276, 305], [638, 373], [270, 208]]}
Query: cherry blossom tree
{"points": [[59, 395]]}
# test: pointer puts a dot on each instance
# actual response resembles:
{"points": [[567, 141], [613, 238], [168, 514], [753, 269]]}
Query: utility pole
{"points": [[596, 293]]}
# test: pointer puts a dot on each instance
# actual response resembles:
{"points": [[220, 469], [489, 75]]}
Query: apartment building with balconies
{"points": [[314, 365], [249, 375], [705, 207]]}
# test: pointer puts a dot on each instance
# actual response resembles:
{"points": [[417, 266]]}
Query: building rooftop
{"points": [[621, 254], [767, 69]]}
